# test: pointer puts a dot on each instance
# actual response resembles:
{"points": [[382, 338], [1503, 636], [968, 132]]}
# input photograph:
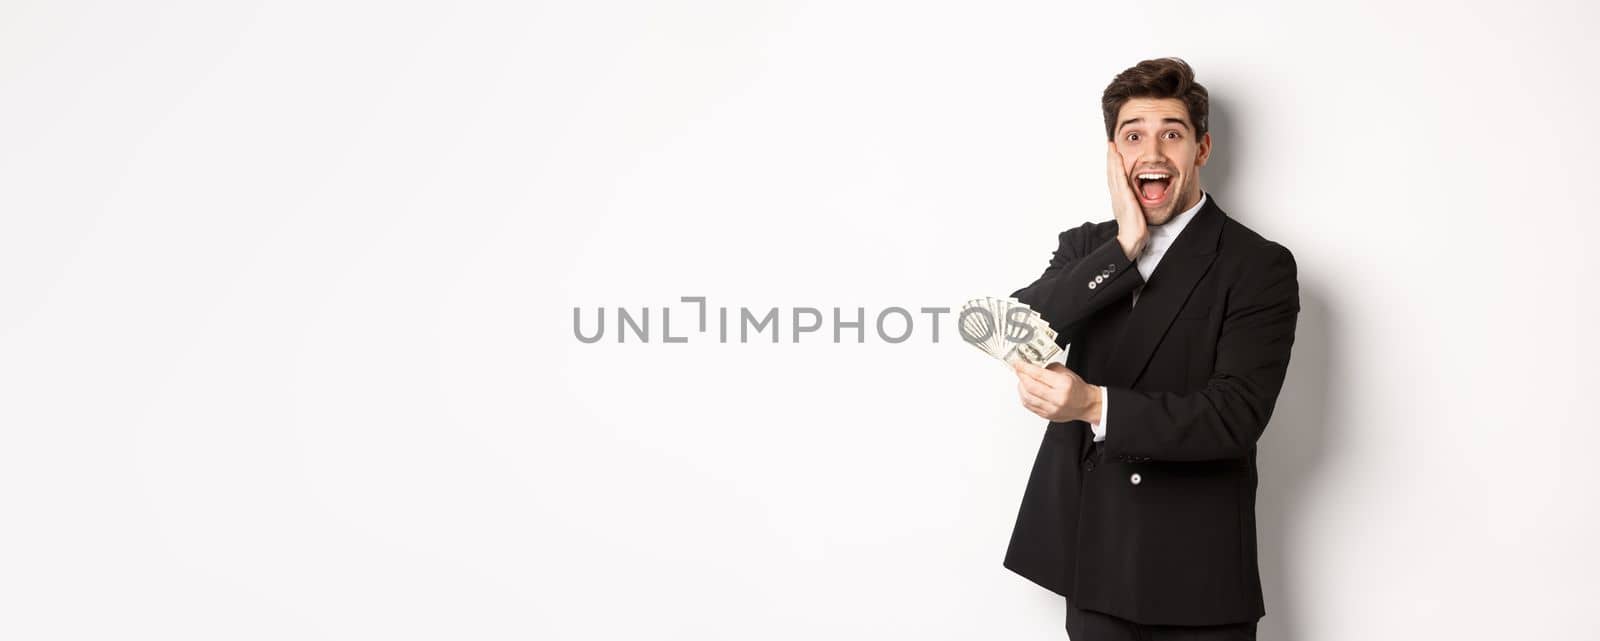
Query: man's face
{"points": [[1157, 141]]}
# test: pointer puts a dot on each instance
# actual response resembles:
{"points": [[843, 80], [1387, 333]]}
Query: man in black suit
{"points": [[1140, 509]]}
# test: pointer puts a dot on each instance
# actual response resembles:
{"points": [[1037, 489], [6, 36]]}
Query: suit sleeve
{"points": [[1067, 292], [1225, 418]]}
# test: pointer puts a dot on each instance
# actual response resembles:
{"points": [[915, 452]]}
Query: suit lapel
{"points": [[1185, 262]]}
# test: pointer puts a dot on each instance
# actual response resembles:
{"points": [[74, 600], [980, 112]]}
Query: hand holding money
{"points": [[1009, 330], [1056, 393]]}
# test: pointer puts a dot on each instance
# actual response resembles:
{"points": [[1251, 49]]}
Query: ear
{"points": [[1204, 152]]}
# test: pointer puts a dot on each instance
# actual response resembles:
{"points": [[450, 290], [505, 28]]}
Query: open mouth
{"points": [[1154, 186]]}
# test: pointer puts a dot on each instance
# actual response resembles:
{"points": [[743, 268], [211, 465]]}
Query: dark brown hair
{"points": [[1159, 78]]}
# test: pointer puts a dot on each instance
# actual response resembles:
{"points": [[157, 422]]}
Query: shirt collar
{"points": [[1175, 226]]}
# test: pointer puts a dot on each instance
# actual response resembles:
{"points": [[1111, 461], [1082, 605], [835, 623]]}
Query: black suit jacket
{"points": [[1156, 523]]}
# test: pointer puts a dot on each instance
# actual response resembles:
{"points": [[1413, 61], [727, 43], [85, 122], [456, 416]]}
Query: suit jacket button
{"points": [[1099, 278], [1091, 284], [1134, 479]]}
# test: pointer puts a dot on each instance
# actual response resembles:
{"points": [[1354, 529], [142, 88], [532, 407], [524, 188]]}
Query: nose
{"points": [[1153, 155]]}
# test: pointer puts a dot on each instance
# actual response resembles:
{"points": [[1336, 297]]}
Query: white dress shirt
{"points": [[1161, 238]]}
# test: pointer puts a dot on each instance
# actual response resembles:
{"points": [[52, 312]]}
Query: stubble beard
{"points": [[1161, 215], [1166, 212]]}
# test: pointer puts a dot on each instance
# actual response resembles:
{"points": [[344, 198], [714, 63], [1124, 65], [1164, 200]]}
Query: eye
{"points": [[1133, 137], [1173, 135]]}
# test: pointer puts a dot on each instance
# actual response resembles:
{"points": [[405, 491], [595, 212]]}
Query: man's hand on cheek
{"points": [[1132, 232], [1056, 393]]}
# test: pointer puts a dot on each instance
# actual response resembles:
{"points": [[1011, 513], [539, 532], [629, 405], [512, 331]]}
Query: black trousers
{"points": [[1089, 625]]}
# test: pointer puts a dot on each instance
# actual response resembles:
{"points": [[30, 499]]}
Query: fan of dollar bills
{"points": [[1007, 329]]}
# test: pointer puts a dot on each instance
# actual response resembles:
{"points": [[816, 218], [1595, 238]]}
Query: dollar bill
{"points": [[1008, 330]]}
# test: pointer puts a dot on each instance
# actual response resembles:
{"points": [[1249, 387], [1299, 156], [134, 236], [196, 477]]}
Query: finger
{"points": [[1025, 369], [1040, 406], [1113, 166], [1046, 377], [1028, 400], [1035, 388], [1030, 396], [1056, 367], [1035, 405], [1116, 175], [1027, 375]]}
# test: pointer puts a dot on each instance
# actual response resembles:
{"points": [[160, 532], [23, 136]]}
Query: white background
{"points": [[286, 343]]}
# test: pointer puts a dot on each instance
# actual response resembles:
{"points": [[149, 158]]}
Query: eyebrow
{"points": [[1130, 121]]}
